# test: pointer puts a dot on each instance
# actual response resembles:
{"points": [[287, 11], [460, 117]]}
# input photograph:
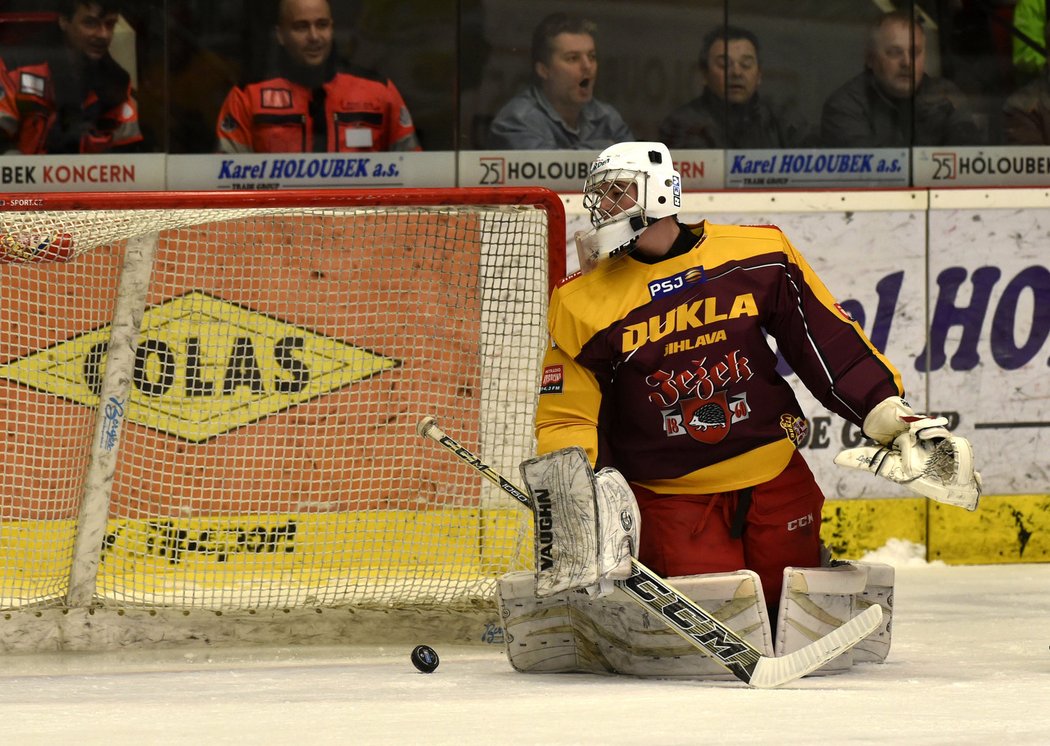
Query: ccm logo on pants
{"points": [[805, 520]]}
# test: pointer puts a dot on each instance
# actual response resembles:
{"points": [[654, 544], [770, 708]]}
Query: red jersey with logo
{"points": [[277, 116], [663, 370]]}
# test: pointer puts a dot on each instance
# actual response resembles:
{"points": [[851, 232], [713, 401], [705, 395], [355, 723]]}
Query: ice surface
{"points": [[970, 664]]}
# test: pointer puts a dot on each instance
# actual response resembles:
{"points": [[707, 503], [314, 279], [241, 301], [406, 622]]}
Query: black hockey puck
{"points": [[424, 658]]}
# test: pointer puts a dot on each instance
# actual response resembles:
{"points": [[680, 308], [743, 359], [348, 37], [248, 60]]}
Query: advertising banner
{"points": [[979, 166], [987, 354], [82, 173], [566, 170], [816, 169], [310, 170]]}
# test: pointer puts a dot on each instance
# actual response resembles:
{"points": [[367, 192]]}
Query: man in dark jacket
{"points": [[730, 113], [894, 103], [559, 110]]}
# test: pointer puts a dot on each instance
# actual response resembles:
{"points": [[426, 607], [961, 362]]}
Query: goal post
{"points": [[209, 404]]}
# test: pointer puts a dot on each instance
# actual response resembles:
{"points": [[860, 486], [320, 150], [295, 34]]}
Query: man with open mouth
{"points": [[559, 111]]}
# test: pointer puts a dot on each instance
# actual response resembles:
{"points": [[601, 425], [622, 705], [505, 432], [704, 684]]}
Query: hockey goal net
{"points": [[209, 401]]}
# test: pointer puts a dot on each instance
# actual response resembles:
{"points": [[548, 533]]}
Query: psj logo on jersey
{"points": [[674, 283]]}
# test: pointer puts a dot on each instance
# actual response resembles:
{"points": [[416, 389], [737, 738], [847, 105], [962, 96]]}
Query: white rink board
{"points": [[871, 248], [991, 361]]}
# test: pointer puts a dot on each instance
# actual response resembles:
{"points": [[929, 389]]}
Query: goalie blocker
{"points": [[586, 523]]}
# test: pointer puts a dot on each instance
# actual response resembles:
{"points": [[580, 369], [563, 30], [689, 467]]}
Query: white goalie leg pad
{"points": [[575, 632], [878, 590], [814, 602], [539, 633], [642, 644], [586, 524]]}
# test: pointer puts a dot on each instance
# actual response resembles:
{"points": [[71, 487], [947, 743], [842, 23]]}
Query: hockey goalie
{"points": [[665, 433]]}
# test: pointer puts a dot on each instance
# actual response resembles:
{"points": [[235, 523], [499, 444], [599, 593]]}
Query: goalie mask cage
{"points": [[209, 404]]}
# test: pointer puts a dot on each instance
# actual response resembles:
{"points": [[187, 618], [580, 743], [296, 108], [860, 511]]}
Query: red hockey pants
{"points": [[778, 527]]}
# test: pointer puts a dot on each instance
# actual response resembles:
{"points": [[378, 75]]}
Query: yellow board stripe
{"points": [[850, 528], [483, 543], [1003, 529], [218, 547]]}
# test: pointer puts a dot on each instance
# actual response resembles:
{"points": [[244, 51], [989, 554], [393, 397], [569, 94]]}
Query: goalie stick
{"points": [[693, 623]]}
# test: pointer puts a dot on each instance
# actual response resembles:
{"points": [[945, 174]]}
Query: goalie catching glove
{"points": [[918, 452], [586, 524]]}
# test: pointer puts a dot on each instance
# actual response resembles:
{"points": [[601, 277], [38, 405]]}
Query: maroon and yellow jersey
{"points": [[663, 369]]}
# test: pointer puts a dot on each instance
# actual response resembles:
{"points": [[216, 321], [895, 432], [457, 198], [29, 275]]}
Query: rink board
{"points": [[337, 558], [226, 549], [1003, 529]]}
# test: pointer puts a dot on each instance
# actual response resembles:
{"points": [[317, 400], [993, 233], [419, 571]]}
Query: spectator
{"points": [[879, 107], [8, 112], [1030, 21], [559, 111], [77, 99], [313, 101], [730, 113], [1026, 112]]}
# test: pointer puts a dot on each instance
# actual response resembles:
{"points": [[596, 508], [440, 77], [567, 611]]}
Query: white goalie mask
{"points": [[630, 186]]}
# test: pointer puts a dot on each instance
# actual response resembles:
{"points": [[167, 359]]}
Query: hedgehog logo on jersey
{"points": [[707, 420]]}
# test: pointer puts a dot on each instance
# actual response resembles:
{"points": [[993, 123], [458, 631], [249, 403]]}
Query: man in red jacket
{"points": [[77, 99], [314, 103]]}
